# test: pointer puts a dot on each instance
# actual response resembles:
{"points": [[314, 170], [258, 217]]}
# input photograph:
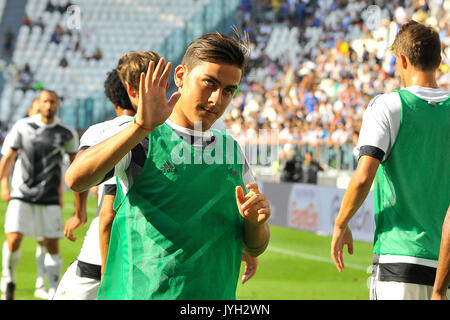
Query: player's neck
{"points": [[45, 120], [180, 119], [125, 112], [425, 79]]}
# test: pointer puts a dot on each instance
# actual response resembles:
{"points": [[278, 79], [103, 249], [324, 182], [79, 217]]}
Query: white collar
{"points": [[205, 134]]}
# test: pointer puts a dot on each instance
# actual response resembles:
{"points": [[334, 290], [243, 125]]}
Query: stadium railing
{"points": [[341, 158]]}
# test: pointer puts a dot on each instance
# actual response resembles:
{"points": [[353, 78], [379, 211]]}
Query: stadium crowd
{"points": [[317, 97]]}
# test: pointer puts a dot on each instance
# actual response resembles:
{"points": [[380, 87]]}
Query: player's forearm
{"points": [[90, 168], [357, 190], [4, 183], [6, 164], [105, 226], [442, 280], [256, 238], [81, 205], [354, 197]]}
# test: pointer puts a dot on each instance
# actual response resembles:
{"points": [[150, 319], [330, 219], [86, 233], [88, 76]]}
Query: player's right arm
{"points": [[5, 182], [357, 191], [6, 164], [92, 166], [378, 131]]}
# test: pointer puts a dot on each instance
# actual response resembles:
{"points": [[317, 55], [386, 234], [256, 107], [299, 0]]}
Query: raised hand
{"points": [[154, 109], [253, 206]]}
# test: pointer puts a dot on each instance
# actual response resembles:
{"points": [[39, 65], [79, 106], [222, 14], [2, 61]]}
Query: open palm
{"points": [[154, 109]]}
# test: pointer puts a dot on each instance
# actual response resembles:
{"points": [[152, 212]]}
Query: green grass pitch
{"points": [[296, 266]]}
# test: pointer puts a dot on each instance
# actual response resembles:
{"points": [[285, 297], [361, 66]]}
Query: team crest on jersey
{"points": [[167, 168]]}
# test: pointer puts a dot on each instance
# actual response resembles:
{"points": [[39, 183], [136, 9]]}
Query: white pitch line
{"points": [[313, 257]]}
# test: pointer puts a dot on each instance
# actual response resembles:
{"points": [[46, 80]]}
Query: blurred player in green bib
{"points": [[182, 226], [405, 147]]}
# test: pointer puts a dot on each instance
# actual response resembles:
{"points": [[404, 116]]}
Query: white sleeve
{"points": [[6, 144], [247, 173], [71, 146], [15, 137], [381, 122], [89, 137], [97, 134]]}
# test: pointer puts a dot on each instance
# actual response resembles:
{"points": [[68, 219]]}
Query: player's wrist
{"points": [[340, 223], [140, 124]]}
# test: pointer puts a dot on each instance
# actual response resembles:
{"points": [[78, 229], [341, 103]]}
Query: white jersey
{"points": [[6, 144], [90, 250], [37, 173], [381, 120]]}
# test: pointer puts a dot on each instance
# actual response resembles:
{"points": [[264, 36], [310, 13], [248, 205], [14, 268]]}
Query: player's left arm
{"points": [[251, 264], [255, 209]]}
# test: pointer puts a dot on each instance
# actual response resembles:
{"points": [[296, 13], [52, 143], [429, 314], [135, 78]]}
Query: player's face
{"points": [[206, 91], [48, 104]]}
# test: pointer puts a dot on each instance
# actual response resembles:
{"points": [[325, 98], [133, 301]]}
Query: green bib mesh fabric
{"points": [[412, 186], [178, 233]]}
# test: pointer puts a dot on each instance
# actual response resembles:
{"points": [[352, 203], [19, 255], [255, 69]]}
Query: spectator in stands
{"points": [[339, 43], [26, 78], [8, 41], [57, 34], [63, 7], [50, 7], [292, 170], [97, 54], [63, 63], [26, 21], [310, 168]]}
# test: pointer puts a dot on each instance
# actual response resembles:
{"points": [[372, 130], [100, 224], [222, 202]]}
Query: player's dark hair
{"points": [[420, 43], [218, 48], [132, 64], [116, 92]]}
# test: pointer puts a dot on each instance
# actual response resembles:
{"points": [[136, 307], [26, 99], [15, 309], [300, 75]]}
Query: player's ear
{"points": [[179, 74], [131, 92], [404, 61]]}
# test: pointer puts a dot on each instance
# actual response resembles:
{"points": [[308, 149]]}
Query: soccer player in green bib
{"points": [[404, 148], [181, 228]]}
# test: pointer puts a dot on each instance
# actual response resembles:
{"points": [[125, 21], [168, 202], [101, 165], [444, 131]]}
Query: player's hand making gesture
{"points": [[154, 109], [253, 206]]}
